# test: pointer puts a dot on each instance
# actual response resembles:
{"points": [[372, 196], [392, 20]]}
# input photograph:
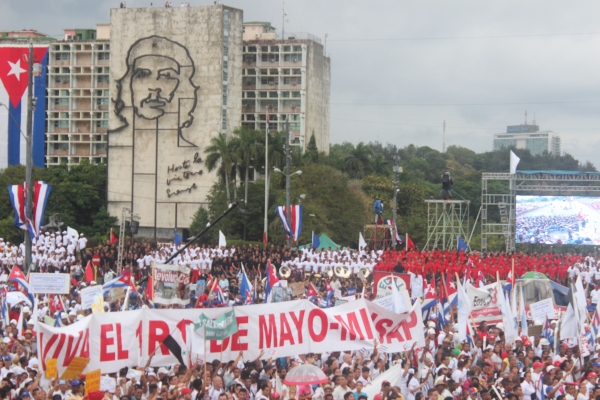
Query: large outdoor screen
{"points": [[558, 220]]}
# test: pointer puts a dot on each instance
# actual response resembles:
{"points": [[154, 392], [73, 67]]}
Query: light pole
{"points": [[287, 195], [265, 231], [395, 194]]}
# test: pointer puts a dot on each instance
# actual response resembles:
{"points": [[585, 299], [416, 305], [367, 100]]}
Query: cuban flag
{"points": [[121, 281], [246, 289], [294, 228], [394, 230], [272, 280], [17, 276], [595, 326], [509, 282], [14, 63], [312, 293], [17, 198], [480, 279]]}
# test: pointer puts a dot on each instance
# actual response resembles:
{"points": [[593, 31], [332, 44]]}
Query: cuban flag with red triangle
{"points": [[14, 64]]}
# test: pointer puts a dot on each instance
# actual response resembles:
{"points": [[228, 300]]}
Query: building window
{"points": [[296, 72], [61, 56], [62, 79], [103, 56], [251, 95], [285, 95], [287, 49], [101, 124], [273, 95], [296, 95], [263, 95], [102, 102], [61, 124], [298, 48], [286, 72], [61, 102], [294, 117], [103, 79], [251, 49], [264, 49]]}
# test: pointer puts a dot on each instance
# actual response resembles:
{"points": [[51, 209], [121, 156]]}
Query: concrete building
{"points": [[24, 34], [528, 137], [289, 77], [175, 82], [78, 97]]}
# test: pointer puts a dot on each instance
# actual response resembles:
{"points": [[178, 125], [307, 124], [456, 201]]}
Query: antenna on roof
{"points": [[534, 118], [444, 138]]}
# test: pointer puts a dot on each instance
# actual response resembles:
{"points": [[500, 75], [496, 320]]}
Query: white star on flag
{"points": [[15, 69]]}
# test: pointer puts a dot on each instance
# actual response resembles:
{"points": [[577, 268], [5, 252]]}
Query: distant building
{"points": [[289, 77], [24, 34], [528, 137], [78, 97]]}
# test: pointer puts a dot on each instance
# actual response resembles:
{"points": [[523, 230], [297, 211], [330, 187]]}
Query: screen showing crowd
{"points": [[558, 220]]}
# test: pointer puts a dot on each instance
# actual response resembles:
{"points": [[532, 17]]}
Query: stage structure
{"points": [[446, 221], [499, 191], [378, 236]]}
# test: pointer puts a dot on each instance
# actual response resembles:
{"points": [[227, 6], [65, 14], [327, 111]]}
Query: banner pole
{"points": [[205, 356]]}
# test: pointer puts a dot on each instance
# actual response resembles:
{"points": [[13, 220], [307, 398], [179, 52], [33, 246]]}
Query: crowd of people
{"points": [[529, 368]]}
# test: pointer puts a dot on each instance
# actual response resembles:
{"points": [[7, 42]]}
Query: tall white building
{"points": [[286, 77], [528, 137]]}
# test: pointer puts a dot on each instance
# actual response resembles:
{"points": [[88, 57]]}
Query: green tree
{"points": [[358, 162], [311, 154], [221, 152]]}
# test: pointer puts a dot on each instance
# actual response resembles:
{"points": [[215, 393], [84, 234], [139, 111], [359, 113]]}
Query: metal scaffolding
{"points": [[502, 197], [446, 221]]}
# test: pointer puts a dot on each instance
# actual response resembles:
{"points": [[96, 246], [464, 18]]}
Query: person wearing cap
{"points": [[61, 388], [186, 394]]}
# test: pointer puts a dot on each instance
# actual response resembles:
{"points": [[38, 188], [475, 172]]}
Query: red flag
{"points": [[89, 272], [113, 238], [150, 288], [409, 243], [265, 240]]}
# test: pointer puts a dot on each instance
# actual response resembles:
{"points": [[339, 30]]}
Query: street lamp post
{"points": [[287, 195], [265, 232], [287, 176]]}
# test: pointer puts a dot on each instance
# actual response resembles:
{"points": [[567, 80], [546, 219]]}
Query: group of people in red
{"points": [[426, 262]]}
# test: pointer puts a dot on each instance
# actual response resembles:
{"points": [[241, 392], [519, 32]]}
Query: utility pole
{"points": [[29, 156], [395, 194], [265, 229], [288, 210]]}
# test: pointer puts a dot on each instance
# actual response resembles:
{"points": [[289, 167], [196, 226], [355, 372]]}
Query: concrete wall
{"points": [[167, 96], [318, 87]]}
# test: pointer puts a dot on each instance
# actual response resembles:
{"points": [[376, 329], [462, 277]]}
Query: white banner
{"points": [[116, 340], [49, 283], [485, 305], [171, 284], [89, 296]]}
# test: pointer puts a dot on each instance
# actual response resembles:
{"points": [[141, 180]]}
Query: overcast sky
{"points": [[400, 68]]}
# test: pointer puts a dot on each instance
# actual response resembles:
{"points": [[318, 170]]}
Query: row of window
{"points": [[272, 71], [272, 49], [273, 95], [67, 79], [67, 56], [66, 92], [64, 101], [65, 124], [97, 115], [67, 47], [272, 117], [79, 70]]}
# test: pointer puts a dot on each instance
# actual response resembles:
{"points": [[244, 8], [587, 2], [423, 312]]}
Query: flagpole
{"points": [[29, 156]]}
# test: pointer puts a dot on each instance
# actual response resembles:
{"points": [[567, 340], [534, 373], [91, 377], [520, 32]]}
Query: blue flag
{"points": [[316, 242], [461, 246], [177, 238]]}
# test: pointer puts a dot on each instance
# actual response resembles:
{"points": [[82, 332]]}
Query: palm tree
{"points": [[359, 161], [380, 165], [220, 150], [246, 151]]}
